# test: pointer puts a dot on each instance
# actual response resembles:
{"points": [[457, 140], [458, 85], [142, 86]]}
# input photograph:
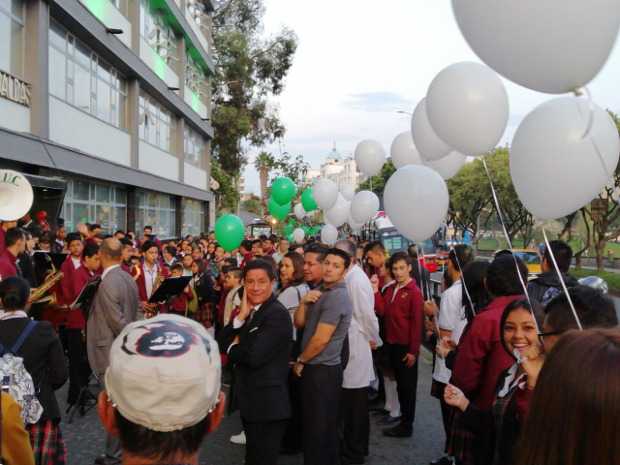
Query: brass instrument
{"points": [[37, 296]]}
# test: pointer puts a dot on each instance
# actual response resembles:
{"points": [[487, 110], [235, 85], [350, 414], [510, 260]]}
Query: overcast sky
{"points": [[359, 61]]}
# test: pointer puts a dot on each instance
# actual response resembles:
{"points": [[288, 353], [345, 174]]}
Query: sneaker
{"points": [[238, 438], [443, 461], [398, 431], [388, 420]]}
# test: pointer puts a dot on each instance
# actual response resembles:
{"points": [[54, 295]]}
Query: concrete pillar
{"points": [[132, 209], [133, 15], [178, 216], [36, 68], [133, 120], [178, 146]]}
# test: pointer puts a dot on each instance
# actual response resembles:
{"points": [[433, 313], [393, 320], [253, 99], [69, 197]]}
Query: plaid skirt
{"points": [[47, 443], [460, 443]]}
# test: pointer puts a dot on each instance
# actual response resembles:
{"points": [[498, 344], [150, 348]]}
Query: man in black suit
{"points": [[258, 344]]}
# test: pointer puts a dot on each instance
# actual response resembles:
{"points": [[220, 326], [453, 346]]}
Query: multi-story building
{"points": [[113, 97], [342, 170]]}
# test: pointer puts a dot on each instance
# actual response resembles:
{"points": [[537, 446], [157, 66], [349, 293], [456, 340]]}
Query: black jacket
{"points": [[261, 362], [537, 288], [43, 358]]}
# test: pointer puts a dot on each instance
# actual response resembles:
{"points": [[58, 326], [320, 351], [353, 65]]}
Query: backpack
{"points": [[17, 381]]}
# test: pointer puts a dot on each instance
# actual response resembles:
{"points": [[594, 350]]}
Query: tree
{"points": [[252, 205], [264, 163], [226, 196], [250, 70], [377, 183], [294, 168], [470, 199]]}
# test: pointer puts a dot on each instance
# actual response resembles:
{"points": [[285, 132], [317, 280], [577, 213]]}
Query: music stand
{"points": [[169, 288], [85, 298]]}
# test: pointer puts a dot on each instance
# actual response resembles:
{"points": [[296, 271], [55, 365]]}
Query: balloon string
{"points": [[590, 124], [561, 278], [501, 220]]}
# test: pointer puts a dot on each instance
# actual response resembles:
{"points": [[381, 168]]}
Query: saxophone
{"points": [[37, 296]]}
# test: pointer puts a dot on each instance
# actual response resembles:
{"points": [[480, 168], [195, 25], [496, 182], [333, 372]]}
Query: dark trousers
{"points": [[79, 370], [355, 424], [263, 441], [321, 389], [406, 383], [291, 443]]}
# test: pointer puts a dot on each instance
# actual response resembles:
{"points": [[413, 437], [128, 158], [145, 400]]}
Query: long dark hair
{"points": [[298, 266], [473, 277], [574, 415]]}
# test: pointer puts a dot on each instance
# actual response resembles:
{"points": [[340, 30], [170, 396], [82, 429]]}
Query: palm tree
{"points": [[264, 163]]}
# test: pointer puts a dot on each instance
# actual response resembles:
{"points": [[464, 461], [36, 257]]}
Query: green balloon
{"points": [[229, 232], [290, 237], [288, 229], [279, 212], [307, 200], [283, 190]]}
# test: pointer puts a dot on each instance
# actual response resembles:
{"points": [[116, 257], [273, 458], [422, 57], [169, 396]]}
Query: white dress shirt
{"points": [[451, 318], [364, 329]]}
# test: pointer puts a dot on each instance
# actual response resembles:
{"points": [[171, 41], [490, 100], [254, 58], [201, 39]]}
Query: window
{"points": [[194, 146], [156, 210], [196, 79], [156, 124], [79, 77], [12, 37], [90, 202], [157, 33], [193, 217]]}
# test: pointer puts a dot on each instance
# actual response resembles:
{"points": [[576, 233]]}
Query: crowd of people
{"points": [[314, 341]]}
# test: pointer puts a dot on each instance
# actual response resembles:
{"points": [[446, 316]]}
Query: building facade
{"points": [[113, 97], [342, 170]]}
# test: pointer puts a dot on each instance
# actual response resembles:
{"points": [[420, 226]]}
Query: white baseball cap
{"points": [[164, 373]]}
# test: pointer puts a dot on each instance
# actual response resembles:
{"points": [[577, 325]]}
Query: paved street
{"points": [[85, 436]]}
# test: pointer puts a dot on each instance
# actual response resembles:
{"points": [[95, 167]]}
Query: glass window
{"points": [[157, 210], [81, 78], [90, 202], [12, 36], [157, 33], [156, 123], [194, 146], [193, 217]]}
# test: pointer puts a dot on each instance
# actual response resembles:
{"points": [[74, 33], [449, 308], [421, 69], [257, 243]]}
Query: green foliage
{"points": [[227, 196], [378, 182], [252, 205], [250, 70], [294, 168]]}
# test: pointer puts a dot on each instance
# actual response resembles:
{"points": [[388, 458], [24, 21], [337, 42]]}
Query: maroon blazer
{"points": [[481, 357]]}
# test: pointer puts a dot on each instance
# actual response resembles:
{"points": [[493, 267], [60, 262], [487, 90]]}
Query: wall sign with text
{"points": [[14, 89]]}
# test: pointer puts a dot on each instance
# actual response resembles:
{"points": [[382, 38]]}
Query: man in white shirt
{"points": [[451, 322], [359, 373]]}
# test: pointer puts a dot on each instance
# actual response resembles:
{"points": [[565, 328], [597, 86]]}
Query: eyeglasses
{"points": [[541, 336]]}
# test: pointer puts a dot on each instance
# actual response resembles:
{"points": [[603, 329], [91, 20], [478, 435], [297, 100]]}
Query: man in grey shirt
{"points": [[325, 315]]}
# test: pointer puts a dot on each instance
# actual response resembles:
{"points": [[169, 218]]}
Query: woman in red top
{"points": [[401, 306]]}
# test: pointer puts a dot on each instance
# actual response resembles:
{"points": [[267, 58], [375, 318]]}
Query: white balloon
{"points": [[299, 235], [348, 191], [416, 201], [355, 226], [299, 211], [467, 106], [364, 206], [325, 193], [329, 234], [552, 46], [370, 157], [403, 151], [554, 168], [428, 143], [338, 214], [449, 166]]}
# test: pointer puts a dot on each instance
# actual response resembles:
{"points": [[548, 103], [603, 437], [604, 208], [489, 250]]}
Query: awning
{"points": [[39, 152]]}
